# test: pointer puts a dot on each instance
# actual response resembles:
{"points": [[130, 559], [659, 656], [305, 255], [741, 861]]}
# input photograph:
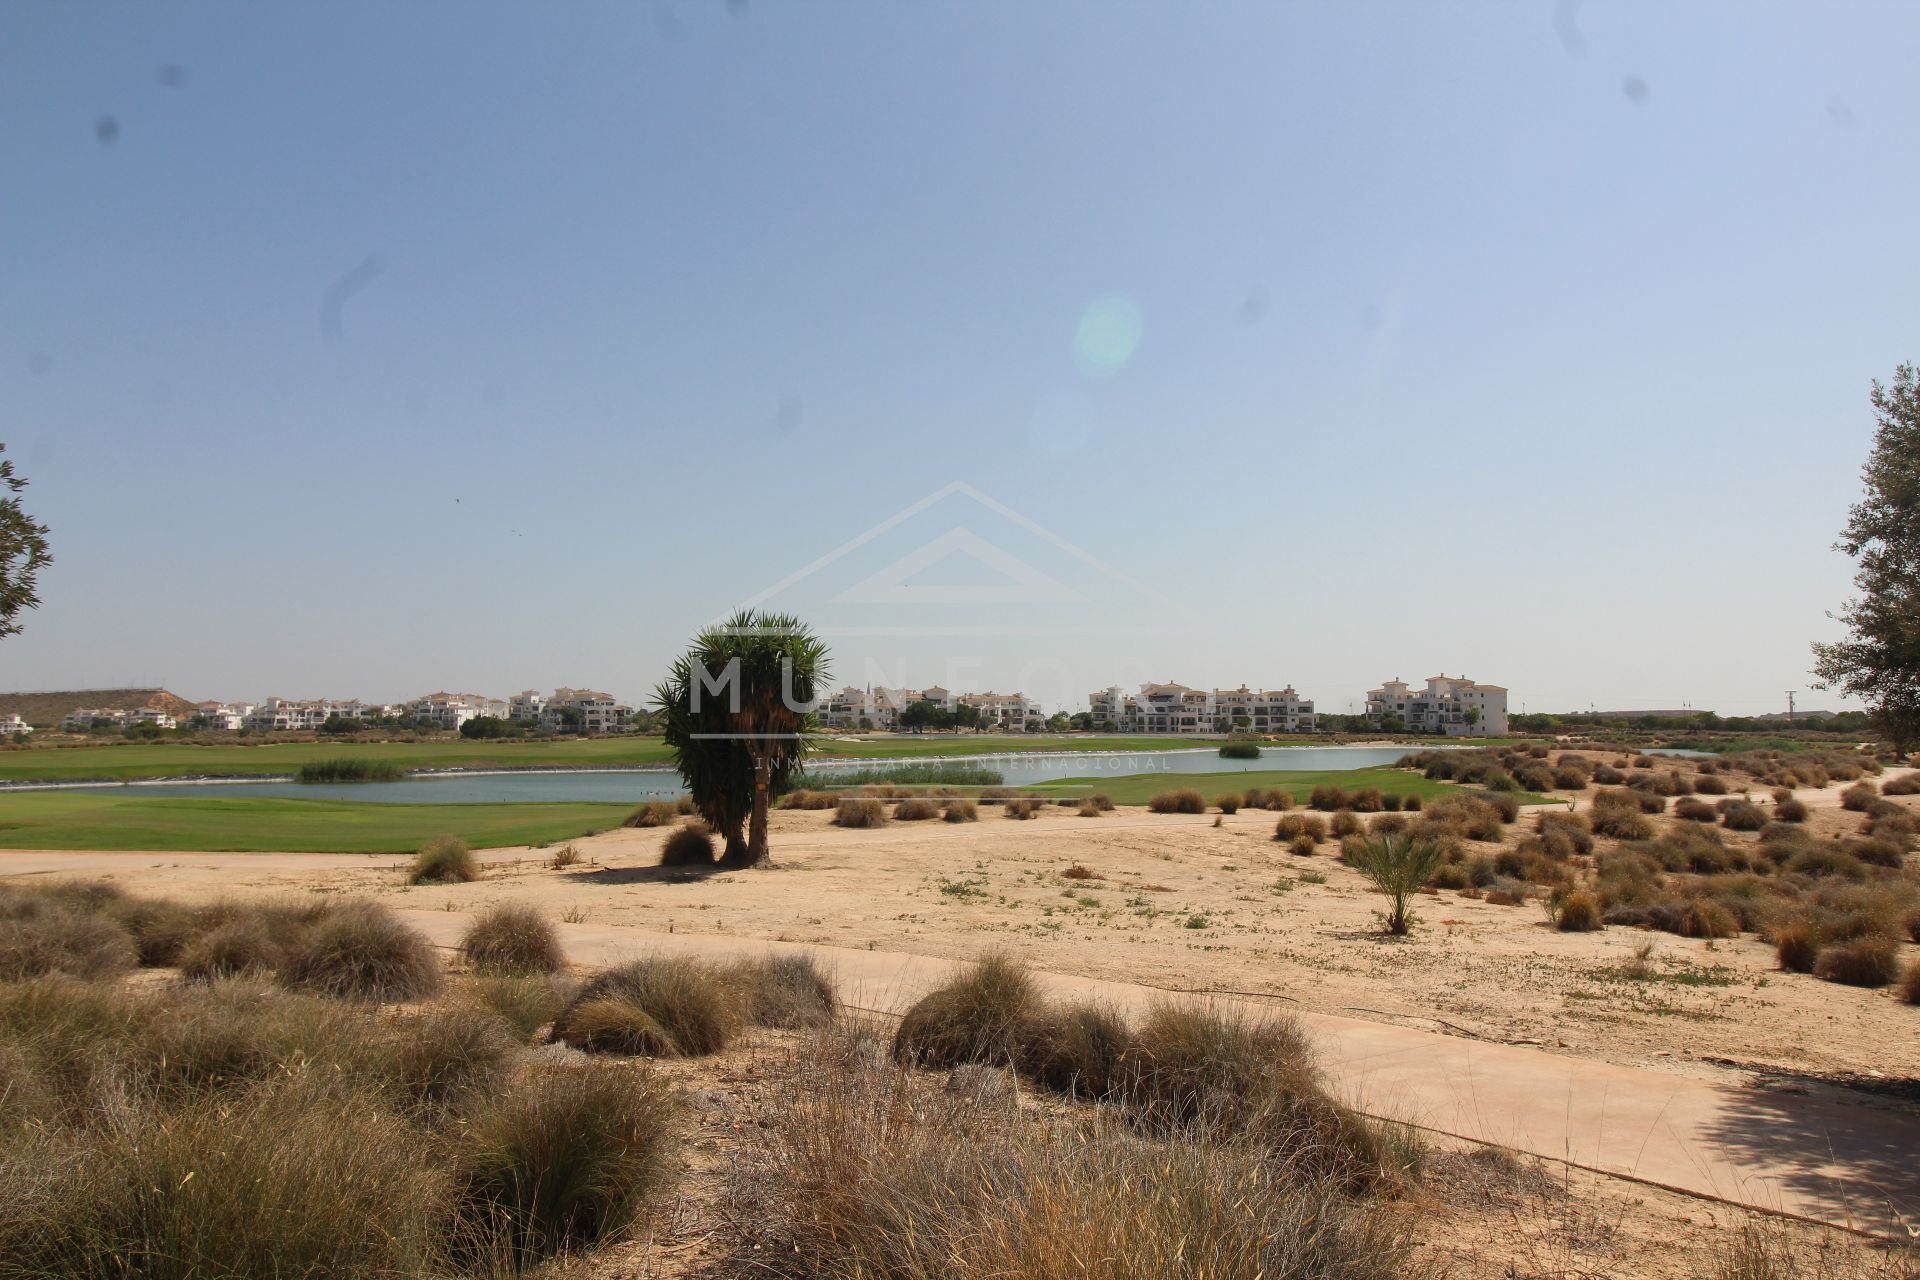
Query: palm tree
{"points": [[718, 772], [1398, 865], [736, 710]]}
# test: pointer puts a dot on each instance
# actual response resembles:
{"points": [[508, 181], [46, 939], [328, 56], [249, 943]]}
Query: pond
{"points": [[630, 786]]}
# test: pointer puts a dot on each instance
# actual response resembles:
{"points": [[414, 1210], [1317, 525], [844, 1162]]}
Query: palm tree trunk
{"points": [[734, 854], [757, 852]]}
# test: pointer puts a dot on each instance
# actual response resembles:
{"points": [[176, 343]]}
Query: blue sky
{"points": [[379, 348]]}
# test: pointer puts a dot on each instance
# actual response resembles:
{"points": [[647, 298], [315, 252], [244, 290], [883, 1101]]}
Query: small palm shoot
{"points": [[1398, 865]]}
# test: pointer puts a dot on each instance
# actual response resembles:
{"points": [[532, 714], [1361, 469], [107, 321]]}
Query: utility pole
{"points": [[1790, 694]]}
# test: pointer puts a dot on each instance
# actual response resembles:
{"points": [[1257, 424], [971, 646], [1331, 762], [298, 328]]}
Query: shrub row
{"points": [[1185, 1069]]}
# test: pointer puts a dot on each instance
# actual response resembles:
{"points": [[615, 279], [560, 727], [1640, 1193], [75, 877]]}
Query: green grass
{"points": [[122, 760], [914, 773], [114, 820], [1138, 788]]}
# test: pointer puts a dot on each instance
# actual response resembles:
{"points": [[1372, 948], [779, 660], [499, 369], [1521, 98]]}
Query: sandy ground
{"points": [[1181, 905]]}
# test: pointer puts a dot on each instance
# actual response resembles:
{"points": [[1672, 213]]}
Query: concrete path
{"points": [[1849, 1162]]}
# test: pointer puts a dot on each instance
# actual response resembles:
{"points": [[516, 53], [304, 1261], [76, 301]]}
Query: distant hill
{"points": [[47, 710]]}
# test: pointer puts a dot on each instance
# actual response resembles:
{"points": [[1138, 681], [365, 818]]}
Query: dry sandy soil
{"points": [[1179, 904], [1184, 905]]}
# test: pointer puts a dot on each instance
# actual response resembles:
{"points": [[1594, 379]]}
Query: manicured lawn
{"points": [[986, 745], [1138, 788], [115, 820], [118, 761]]}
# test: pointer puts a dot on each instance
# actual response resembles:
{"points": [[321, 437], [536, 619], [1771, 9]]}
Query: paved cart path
{"points": [[1817, 1154]]}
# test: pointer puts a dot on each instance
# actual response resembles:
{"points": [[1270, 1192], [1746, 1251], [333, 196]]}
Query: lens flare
{"points": [[1108, 335]]}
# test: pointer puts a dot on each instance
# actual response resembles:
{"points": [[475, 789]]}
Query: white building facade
{"points": [[285, 714], [599, 712], [451, 710], [879, 707], [80, 719], [227, 716], [1451, 705], [1179, 708]]}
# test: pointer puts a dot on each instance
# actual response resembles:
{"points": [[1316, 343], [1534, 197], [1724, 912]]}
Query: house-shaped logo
{"points": [[959, 592], [934, 562]]}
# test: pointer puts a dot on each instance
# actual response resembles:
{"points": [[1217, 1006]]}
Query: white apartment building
{"points": [[599, 712], [83, 718], [1008, 710], [1452, 705], [80, 719], [846, 709], [451, 710], [1178, 708], [223, 715], [309, 713], [12, 724], [880, 707], [1264, 710], [526, 705]]}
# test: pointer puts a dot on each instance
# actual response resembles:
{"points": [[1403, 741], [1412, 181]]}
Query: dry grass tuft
{"points": [[1872, 961], [789, 990], [1859, 796], [610, 1024], [1310, 827], [41, 932], [512, 940], [1076, 1049], [235, 947], [563, 1159], [696, 1009], [859, 1178], [663, 813], [1578, 912], [359, 951], [160, 929], [1197, 1069], [1796, 945], [983, 1015], [1185, 800], [804, 799], [857, 811], [523, 1004], [296, 1176], [444, 860], [447, 1052], [688, 845]]}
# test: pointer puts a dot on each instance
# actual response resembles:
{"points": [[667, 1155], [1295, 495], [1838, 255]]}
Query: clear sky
{"points": [[367, 349]]}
